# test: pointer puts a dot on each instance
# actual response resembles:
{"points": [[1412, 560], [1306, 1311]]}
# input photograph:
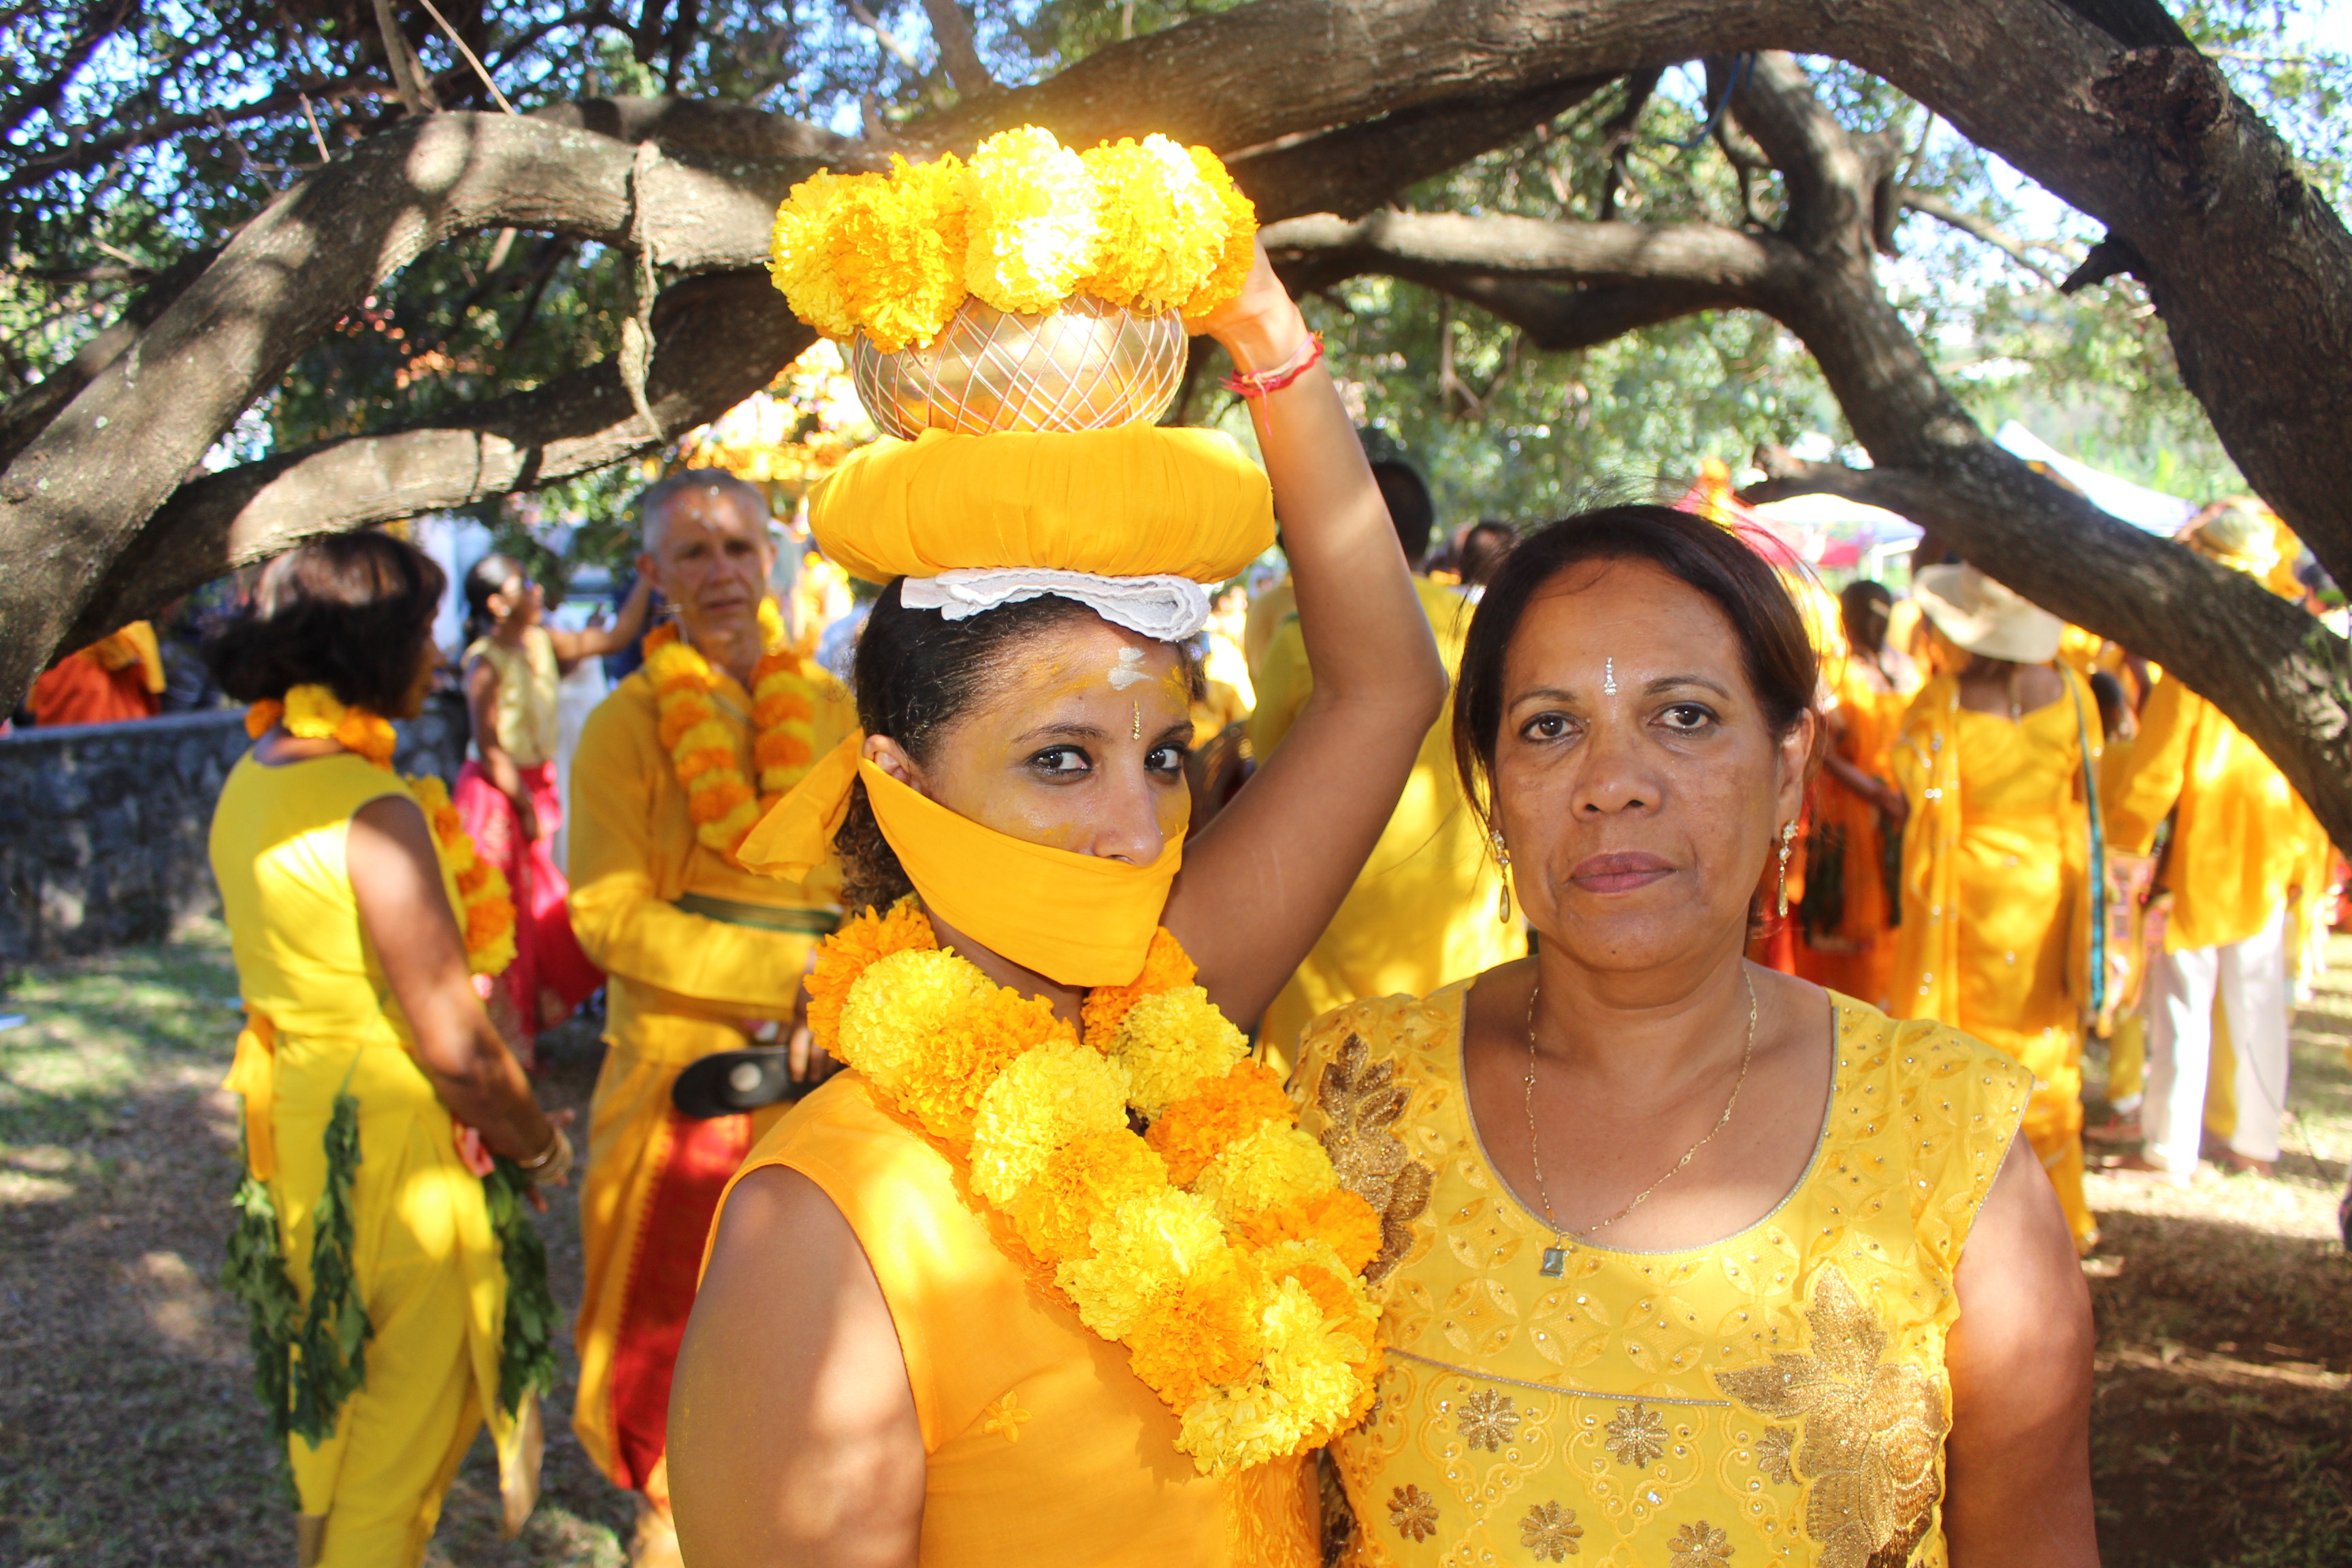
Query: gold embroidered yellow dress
{"points": [[1777, 1397]]}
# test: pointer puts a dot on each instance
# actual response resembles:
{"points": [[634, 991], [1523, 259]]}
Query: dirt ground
{"points": [[2221, 1435]]}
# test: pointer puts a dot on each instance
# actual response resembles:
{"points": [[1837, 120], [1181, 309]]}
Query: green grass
{"points": [[128, 1429]]}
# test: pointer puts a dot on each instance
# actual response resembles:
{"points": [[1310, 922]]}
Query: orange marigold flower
{"points": [[942, 1091], [1339, 1218], [683, 714], [474, 878], [1204, 1333], [790, 705], [693, 765], [1083, 1178], [1197, 1129], [711, 805], [485, 919], [1165, 968], [842, 957], [783, 751]]}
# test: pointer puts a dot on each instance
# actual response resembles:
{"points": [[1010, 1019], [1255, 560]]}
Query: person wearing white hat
{"points": [[1998, 759]]}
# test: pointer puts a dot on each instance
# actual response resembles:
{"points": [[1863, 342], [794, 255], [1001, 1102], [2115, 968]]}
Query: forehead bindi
{"points": [[1621, 623]]}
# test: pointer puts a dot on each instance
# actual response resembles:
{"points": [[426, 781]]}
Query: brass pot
{"points": [[1085, 366]]}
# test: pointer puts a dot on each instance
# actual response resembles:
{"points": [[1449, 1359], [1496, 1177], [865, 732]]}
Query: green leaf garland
{"points": [[527, 1336]]}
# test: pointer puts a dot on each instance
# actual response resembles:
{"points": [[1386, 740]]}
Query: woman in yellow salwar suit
{"points": [[1998, 757], [389, 1134]]}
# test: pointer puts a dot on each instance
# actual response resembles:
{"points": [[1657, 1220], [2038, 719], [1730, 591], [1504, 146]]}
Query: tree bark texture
{"points": [[1316, 100]]}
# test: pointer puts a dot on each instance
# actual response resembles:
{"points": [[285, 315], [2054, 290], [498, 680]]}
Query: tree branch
{"points": [[74, 497], [718, 339], [1944, 212], [959, 51], [89, 152], [1356, 168], [98, 23]]}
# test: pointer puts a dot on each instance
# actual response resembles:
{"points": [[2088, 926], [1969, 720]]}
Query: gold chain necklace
{"points": [[1554, 1257]]}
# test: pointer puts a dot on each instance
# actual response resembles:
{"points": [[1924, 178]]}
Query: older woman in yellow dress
{"points": [[1685, 1262], [1051, 1277], [398, 1295]]}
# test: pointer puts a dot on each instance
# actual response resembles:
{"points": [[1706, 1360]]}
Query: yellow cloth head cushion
{"points": [[1135, 502]]}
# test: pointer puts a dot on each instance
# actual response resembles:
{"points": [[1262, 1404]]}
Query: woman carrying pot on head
{"points": [[399, 1294], [1051, 1277], [1686, 1261], [508, 792]]}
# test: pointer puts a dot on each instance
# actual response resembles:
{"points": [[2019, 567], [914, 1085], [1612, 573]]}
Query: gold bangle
{"points": [[554, 1142]]}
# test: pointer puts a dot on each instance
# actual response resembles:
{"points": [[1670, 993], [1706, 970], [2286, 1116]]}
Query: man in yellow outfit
{"points": [[703, 955], [1423, 911], [2240, 841]]}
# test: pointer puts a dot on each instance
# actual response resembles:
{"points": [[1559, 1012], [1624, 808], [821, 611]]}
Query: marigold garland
{"points": [[701, 743], [1150, 227], [1216, 1246], [485, 903]]}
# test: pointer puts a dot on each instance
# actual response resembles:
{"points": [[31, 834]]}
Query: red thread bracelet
{"points": [[1260, 383]]}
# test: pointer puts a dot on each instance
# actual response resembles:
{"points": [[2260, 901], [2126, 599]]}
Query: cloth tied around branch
{"points": [[1078, 919]]}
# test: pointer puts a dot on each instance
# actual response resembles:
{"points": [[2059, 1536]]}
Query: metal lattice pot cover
{"points": [[1085, 366]]}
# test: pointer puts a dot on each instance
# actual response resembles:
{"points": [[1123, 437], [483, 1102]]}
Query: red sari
{"points": [[550, 976]]}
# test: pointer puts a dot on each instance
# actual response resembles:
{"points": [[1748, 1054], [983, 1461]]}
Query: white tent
{"points": [[2144, 509]]}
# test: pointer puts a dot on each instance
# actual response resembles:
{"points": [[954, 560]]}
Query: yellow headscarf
{"points": [[1078, 919]]}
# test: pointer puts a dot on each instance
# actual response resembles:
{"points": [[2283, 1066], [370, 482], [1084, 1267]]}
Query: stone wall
{"points": [[102, 826]]}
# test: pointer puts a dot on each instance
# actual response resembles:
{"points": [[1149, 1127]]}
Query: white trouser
{"points": [[2250, 978]]}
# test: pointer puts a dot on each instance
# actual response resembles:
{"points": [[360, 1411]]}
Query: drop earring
{"points": [[1788, 834], [1502, 863]]}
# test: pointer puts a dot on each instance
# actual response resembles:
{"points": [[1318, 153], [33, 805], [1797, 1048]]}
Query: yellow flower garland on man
{"points": [[703, 958], [1054, 1250], [724, 805]]}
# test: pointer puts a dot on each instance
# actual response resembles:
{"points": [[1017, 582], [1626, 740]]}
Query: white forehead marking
{"points": [[1609, 677], [1128, 670]]}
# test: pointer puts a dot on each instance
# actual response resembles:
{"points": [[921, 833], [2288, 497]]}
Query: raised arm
{"points": [[595, 642], [404, 910], [2017, 1483], [1260, 882]]}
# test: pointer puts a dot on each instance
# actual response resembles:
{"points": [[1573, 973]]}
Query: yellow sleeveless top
{"points": [[1779, 1395], [528, 681], [1043, 1447]]}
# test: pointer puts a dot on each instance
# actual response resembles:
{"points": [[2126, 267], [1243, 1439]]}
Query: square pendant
{"points": [[1555, 1262]]}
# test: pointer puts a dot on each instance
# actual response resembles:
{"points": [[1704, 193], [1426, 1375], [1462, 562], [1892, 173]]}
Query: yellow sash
{"points": [[253, 1075]]}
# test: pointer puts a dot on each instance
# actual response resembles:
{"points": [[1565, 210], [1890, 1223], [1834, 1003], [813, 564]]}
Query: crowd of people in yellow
{"points": [[999, 1155]]}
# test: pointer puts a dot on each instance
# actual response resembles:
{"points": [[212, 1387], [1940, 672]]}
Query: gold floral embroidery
{"points": [[1699, 1545], [1637, 1437], [1772, 1453], [1005, 1418], [1871, 1437], [1413, 1512], [1552, 1533], [1487, 1420], [1363, 1101]]}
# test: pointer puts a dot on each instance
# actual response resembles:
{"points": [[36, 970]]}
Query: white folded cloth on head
{"points": [[1167, 608]]}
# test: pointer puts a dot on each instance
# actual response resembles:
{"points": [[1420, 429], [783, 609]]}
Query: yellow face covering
{"points": [[1078, 920]]}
